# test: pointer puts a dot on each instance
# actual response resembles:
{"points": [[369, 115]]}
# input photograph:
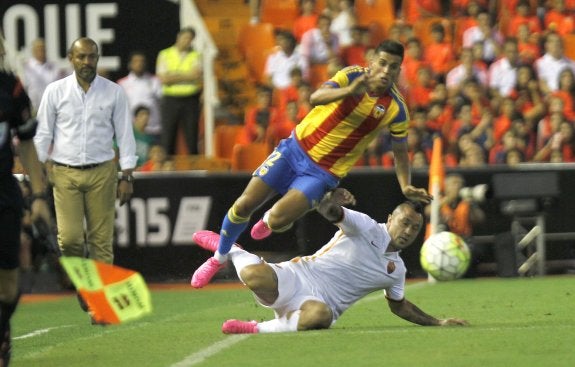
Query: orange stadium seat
{"points": [[259, 35], [255, 43], [248, 157], [380, 11], [281, 13], [225, 137], [569, 45]]}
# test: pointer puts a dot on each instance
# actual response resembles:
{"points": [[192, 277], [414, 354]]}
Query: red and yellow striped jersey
{"points": [[335, 135]]}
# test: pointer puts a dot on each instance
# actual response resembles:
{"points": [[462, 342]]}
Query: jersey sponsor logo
{"points": [[373, 244], [390, 267]]}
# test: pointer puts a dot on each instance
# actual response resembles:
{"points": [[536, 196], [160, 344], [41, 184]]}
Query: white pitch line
{"points": [[217, 347], [213, 349], [40, 332]]}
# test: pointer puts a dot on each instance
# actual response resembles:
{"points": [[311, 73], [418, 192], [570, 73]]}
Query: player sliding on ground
{"points": [[350, 111], [312, 292]]}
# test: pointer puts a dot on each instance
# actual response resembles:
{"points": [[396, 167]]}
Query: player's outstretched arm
{"points": [[330, 206], [410, 312]]}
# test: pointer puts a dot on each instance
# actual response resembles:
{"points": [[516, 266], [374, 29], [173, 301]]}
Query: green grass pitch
{"points": [[514, 322]]}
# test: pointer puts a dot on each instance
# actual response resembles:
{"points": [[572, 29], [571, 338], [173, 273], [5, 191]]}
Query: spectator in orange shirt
{"points": [[526, 138], [527, 96], [558, 19], [306, 20], [503, 121], [412, 61], [290, 93], [508, 142], [419, 95], [260, 118], [550, 123], [561, 146], [440, 55], [524, 15], [354, 54], [566, 92], [527, 44]]}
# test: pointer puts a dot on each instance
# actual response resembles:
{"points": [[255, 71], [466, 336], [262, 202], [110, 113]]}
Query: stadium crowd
{"points": [[489, 77]]}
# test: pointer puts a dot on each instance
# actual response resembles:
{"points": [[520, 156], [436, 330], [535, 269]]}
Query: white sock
{"points": [[241, 258], [221, 258], [280, 325]]}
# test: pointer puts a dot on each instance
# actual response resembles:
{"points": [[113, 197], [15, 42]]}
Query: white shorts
{"points": [[293, 290]]}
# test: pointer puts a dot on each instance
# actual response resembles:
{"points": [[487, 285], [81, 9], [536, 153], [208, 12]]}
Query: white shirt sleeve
{"points": [[124, 131], [46, 119]]}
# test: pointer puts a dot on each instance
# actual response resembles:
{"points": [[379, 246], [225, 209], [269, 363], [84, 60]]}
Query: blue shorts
{"points": [[289, 167]]}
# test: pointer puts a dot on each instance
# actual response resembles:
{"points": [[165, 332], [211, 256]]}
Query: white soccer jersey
{"points": [[353, 264]]}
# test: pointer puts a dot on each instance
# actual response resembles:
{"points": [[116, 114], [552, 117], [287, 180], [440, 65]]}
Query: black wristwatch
{"points": [[127, 178]]}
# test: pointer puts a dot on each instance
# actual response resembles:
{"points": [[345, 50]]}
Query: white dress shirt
{"points": [[502, 76], [145, 90], [548, 69], [315, 49], [82, 125], [279, 65]]}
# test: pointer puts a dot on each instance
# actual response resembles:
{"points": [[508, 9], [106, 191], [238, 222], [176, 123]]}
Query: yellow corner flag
{"points": [[113, 294]]}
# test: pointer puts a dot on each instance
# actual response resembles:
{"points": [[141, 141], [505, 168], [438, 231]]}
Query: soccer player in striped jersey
{"points": [[312, 292], [350, 111]]}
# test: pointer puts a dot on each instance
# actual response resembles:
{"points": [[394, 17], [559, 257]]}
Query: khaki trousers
{"points": [[86, 196]]}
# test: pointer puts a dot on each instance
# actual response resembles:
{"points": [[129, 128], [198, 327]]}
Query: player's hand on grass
{"points": [[417, 194], [453, 322]]}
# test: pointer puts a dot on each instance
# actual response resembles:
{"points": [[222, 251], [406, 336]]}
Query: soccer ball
{"points": [[445, 256]]}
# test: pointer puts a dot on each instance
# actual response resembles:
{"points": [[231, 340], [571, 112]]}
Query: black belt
{"points": [[86, 166]]}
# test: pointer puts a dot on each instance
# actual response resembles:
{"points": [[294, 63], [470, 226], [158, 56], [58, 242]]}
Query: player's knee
{"points": [[257, 277], [278, 221], [314, 315], [243, 207]]}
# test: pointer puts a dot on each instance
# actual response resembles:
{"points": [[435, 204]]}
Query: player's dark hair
{"points": [[416, 206], [391, 47]]}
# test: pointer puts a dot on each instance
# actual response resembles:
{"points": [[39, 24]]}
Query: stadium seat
{"points": [[259, 35], [248, 157], [380, 11], [569, 45], [255, 43], [225, 137], [280, 13]]}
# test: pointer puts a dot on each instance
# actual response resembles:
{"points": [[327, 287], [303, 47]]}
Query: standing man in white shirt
{"points": [[552, 63], [39, 72], [502, 74], [79, 116], [312, 292], [143, 89]]}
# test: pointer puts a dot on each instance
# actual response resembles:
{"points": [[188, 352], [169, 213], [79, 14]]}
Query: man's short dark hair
{"points": [[391, 47]]}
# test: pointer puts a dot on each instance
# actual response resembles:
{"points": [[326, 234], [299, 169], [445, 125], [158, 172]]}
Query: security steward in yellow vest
{"points": [[179, 69]]}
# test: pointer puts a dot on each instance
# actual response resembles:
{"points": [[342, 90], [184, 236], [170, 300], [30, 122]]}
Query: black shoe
{"points": [[5, 348], [83, 304], [94, 322]]}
